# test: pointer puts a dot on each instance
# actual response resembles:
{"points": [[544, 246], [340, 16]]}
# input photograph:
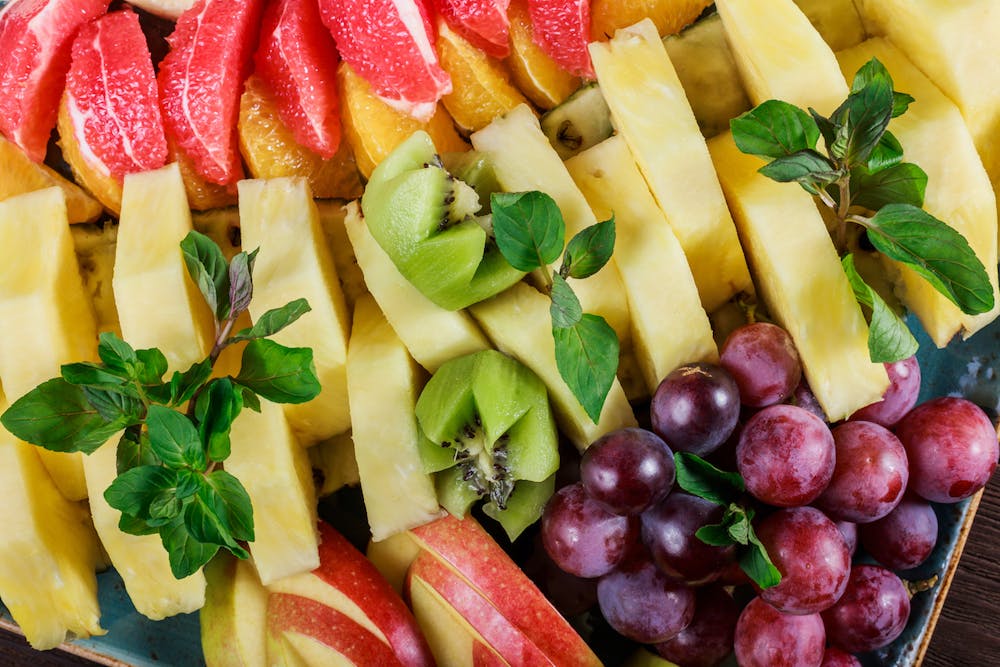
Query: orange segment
{"points": [[535, 73], [201, 194], [104, 187], [481, 85], [21, 175], [670, 16], [374, 129], [271, 151]]}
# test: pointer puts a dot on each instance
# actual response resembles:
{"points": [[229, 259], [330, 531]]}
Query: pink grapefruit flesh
{"points": [[562, 29], [112, 100], [35, 39], [483, 23], [389, 43], [297, 60], [201, 80]]}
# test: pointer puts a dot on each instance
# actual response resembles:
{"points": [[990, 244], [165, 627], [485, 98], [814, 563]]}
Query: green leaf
{"points": [[165, 507], [738, 524], [151, 366], [827, 129], [134, 450], [590, 250], [56, 415], [87, 374], [529, 228], [208, 268], [134, 490], [278, 373], [889, 339], [587, 358], [184, 385], [774, 129], [808, 168], [274, 321], [114, 406], [903, 183], [757, 564], [250, 398], [236, 501], [900, 103], [565, 310], [865, 114], [716, 535], [934, 250], [174, 438], [700, 478], [240, 282], [220, 512], [217, 407], [887, 152], [187, 555], [135, 526], [116, 354]]}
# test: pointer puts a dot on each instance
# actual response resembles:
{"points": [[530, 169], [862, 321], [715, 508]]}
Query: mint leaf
{"points": [[902, 183], [250, 399], [934, 250], [134, 490], [700, 478], [116, 354], [88, 374], [587, 358], [774, 129], [134, 450], [887, 152], [208, 268], [238, 511], [114, 406], [757, 564], [278, 373], [565, 309], [716, 535], [184, 385], [150, 366], [240, 283], [807, 168], [274, 320], [174, 439], [827, 129], [135, 526], [217, 407], [590, 250], [865, 114], [889, 339], [187, 555], [528, 227], [220, 513], [900, 103]]}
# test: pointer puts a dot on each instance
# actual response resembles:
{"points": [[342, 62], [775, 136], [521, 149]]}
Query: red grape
{"points": [[628, 470], [668, 529], [899, 398], [806, 399], [695, 408], [850, 532], [785, 455], [834, 657], [951, 446], [643, 604], [581, 537], [709, 637], [871, 613], [905, 537], [869, 476], [765, 637], [764, 362]]}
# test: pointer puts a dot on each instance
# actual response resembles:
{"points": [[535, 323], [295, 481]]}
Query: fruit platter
{"points": [[494, 332]]}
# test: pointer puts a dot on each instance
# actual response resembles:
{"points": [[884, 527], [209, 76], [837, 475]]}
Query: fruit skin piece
{"points": [[21, 175], [398, 493], [390, 44], [637, 77], [200, 82], [562, 29], [958, 188], [483, 23], [233, 620], [538, 76], [431, 334], [647, 253], [279, 217], [36, 38]]}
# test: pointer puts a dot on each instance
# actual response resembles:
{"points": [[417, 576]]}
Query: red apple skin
{"points": [[469, 550], [507, 640]]}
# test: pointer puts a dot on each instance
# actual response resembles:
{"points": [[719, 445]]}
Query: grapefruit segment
{"points": [[562, 29], [389, 43], [483, 23], [534, 71], [200, 83], [35, 38], [296, 59]]}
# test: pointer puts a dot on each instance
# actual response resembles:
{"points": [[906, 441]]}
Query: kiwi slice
{"points": [[581, 121], [488, 432]]}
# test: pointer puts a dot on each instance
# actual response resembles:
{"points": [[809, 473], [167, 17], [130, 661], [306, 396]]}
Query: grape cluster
{"points": [[814, 492]]}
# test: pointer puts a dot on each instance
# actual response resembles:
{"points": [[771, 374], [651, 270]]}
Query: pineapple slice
{"points": [[48, 551], [958, 189], [95, 251], [432, 334], [837, 21], [650, 110], [648, 253], [352, 279], [798, 273], [383, 382], [518, 322], [334, 460], [41, 290], [524, 159], [278, 215]]}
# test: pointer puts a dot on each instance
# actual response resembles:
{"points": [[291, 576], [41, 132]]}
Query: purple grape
{"points": [[695, 408], [643, 604], [785, 455], [708, 639], [850, 532], [870, 474], [834, 657], [905, 537], [628, 470], [951, 446], [899, 398], [765, 637], [812, 557], [764, 362], [871, 613], [582, 537], [804, 398], [668, 530]]}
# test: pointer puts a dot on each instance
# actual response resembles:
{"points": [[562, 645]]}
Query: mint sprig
{"points": [[175, 433], [864, 181], [530, 233], [889, 339]]}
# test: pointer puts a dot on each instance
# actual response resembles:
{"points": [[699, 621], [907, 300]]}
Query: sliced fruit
{"points": [[650, 110], [95, 249], [295, 59], [580, 122], [958, 188], [431, 334], [35, 39], [374, 129], [22, 175], [483, 23], [334, 460], [837, 21], [647, 253], [398, 493], [562, 29], [390, 43], [234, 618], [534, 71], [279, 217], [102, 186], [168, 9], [332, 217], [670, 16], [202, 195], [200, 82], [41, 290]]}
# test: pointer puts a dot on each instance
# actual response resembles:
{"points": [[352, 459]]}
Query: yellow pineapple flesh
{"points": [[334, 460], [837, 21], [332, 216], [95, 250]]}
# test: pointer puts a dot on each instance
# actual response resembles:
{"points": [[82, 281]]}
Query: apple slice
{"points": [[234, 618]]}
